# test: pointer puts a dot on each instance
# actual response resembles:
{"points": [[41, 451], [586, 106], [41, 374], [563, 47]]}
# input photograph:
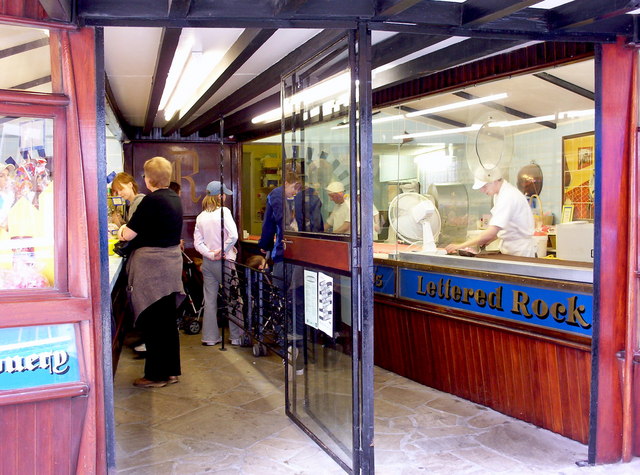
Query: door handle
{"points": [[285, 242]]}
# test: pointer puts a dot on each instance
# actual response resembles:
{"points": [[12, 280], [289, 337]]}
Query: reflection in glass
{"points": [[25, 63], [26, 203]]}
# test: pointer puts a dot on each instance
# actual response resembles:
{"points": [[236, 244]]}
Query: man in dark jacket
{"points": [[289, 200], [299, 210]]}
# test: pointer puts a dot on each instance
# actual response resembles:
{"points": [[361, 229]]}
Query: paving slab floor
{"points": [[226, 416]]}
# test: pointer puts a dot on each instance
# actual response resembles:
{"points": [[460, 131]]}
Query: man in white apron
{"points": [[511, 217]]}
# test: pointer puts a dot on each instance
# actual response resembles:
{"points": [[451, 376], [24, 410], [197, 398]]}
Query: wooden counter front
{"points": [[534, 373]]}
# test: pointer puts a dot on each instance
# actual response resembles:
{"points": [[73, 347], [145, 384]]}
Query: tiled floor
{"points": [[227, 416]]}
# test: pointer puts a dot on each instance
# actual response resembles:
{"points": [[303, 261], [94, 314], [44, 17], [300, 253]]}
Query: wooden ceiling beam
{"points": [[390, 8], [444, 58], [245, 46], [287, 6], [569, 86], [586, 13], [480, 12], [244, 115], [24, 47], [179, 8], [399, 46], [265, 81], [431, 117], [509, 110], [34, 83], [60, 10], [389, 50], [166, 52]]}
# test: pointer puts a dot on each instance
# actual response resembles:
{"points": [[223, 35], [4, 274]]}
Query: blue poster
{"points": [[37, 356], [557, 309]]}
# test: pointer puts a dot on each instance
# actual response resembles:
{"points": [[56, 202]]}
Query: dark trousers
{"points": [[160, 333]]}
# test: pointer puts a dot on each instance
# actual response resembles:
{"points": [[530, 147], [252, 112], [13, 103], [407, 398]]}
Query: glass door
{"points": [[321, 247]]}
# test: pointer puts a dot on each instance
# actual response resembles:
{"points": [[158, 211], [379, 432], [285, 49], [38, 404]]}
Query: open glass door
{"points": [[321, 214]]}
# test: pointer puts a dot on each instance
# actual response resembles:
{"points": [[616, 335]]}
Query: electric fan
{"points": [[415, 218]]}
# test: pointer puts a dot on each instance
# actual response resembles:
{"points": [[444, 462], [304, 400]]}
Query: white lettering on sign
{"points": [[55, 362]]}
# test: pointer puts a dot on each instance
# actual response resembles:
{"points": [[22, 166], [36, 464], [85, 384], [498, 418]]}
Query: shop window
{"points": [[26, 203], [536, 130], [25, 59]]}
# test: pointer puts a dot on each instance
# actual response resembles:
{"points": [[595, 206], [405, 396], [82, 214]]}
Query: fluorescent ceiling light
{"points": [[435, 133], [634, 12], [544, 118], [270, 116], [336, 87], [530, 120], [176, 71], [390, 118], [459, 105], [576, 114], [550, 4], [194, 75]]}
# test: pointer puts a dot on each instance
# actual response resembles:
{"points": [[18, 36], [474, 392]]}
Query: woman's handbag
{"points": [[123, 248]]}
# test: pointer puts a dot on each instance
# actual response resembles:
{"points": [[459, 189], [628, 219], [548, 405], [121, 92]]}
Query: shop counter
{"points": [[545, 268], [115, 266], [119, 314], [509, 333]]}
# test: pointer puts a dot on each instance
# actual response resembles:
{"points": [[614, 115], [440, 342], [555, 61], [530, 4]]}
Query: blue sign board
{"points": [[556, 309], [384, 280], [37, 356]]}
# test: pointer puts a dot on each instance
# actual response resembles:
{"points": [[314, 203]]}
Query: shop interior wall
{"points": [[194, 166]]}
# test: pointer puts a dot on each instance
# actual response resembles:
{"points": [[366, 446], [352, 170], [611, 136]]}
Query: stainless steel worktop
{"points": [[545, 269]]}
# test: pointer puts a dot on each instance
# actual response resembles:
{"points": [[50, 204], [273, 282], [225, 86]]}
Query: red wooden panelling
{"points": [[501, 65], [523, 376], [331, 254], [611, 244], [636, 407], [49, 440], [30, 9]]}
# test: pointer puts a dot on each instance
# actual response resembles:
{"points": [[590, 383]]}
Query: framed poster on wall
{"points": [[578, 163]]}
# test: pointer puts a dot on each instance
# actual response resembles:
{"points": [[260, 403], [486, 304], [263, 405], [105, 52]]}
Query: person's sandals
{"points": [[147, 383], [173, 380]]}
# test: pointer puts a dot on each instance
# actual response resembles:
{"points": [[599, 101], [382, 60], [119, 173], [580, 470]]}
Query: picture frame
{"points": [[567, 214], [578, 169]]}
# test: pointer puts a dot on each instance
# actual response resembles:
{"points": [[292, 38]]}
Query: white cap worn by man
{"points": [[339, 221], [511, 217]]}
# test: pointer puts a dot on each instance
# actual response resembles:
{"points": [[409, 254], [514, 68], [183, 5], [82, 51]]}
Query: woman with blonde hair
{"points": [[126, 187], [154, 271], [216, 244]]}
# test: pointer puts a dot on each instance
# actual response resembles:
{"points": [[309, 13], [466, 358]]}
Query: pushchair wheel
{"points": [[192, 327], [259, 349]]}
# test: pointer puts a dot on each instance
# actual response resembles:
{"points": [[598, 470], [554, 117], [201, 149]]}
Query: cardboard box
{"points": [[574, 241]]}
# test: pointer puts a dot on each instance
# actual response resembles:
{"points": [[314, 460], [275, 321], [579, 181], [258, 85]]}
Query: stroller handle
{"points": [[188, 259]]}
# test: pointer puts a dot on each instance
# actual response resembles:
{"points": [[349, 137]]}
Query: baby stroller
{"points": [[190, 311]]}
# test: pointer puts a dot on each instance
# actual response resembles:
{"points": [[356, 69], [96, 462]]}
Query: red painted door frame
{"points": [[615, 102]]}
